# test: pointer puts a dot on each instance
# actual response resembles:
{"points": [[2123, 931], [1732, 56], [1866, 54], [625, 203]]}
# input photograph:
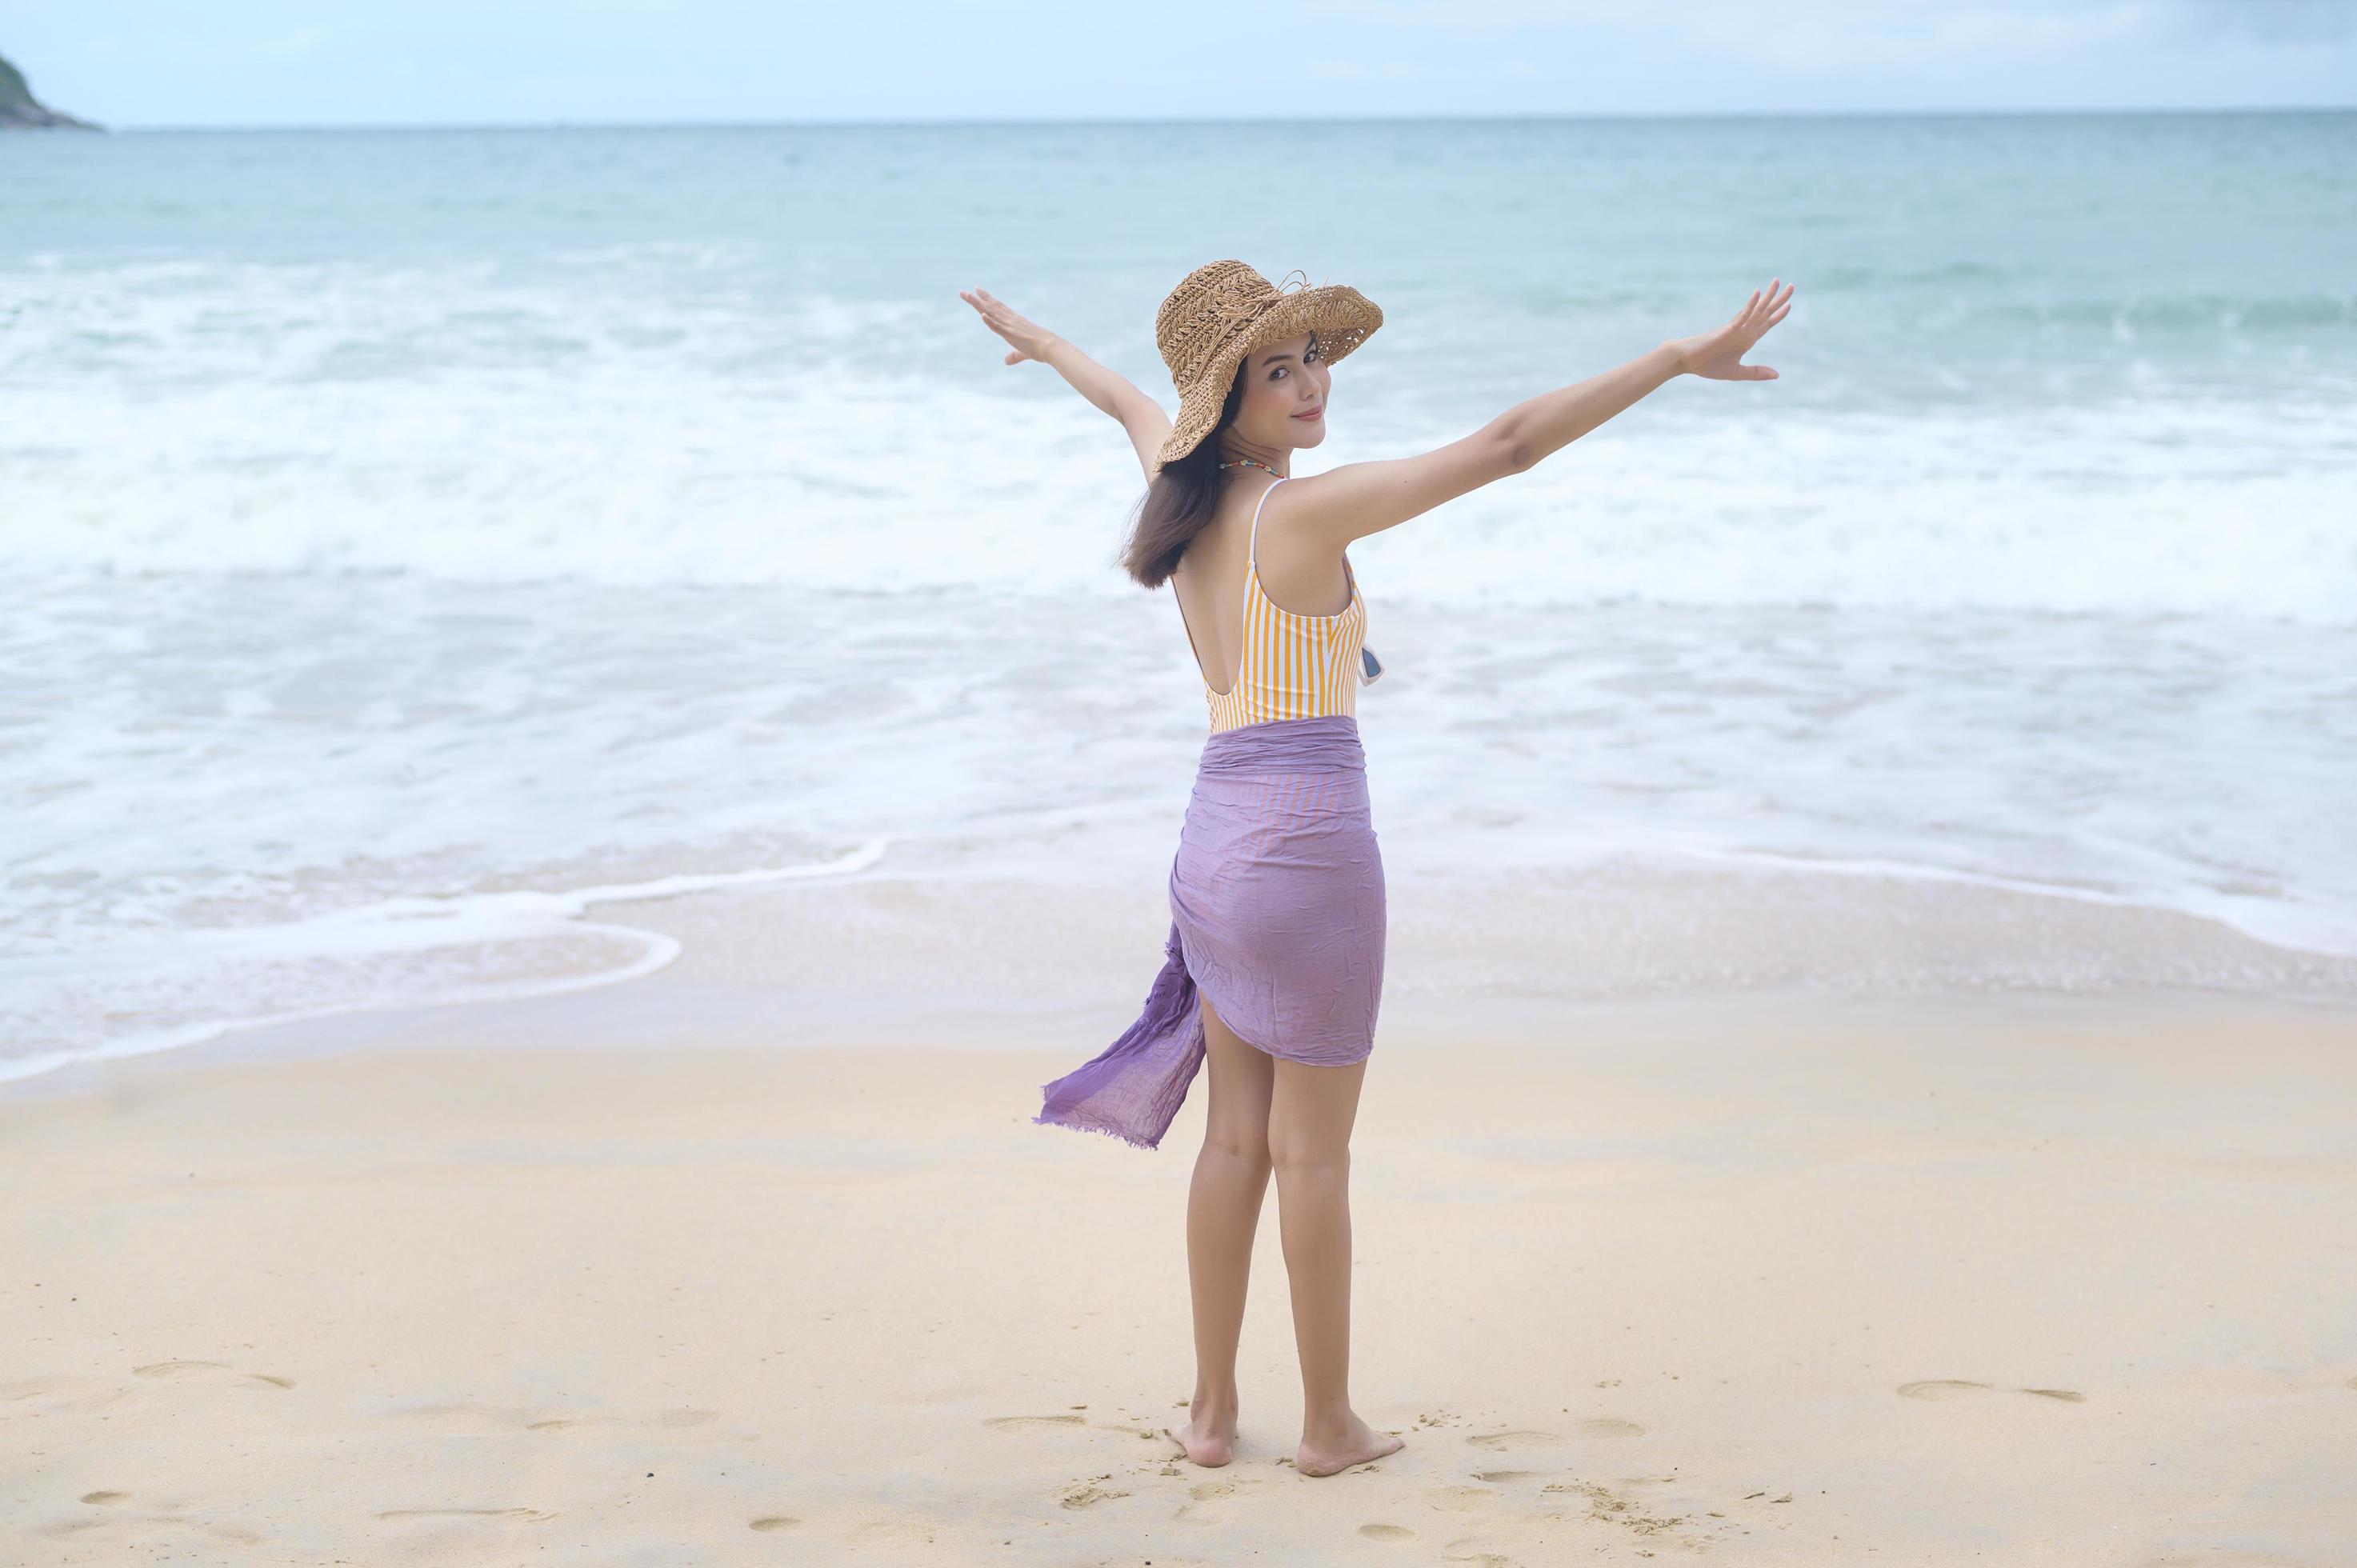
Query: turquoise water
{"points": [[402, 516], [2090, 255]]}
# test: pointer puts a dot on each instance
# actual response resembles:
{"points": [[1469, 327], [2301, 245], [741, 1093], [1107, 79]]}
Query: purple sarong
{"points": [[1276, 914]]}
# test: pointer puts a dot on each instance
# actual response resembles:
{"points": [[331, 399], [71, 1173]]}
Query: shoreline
{"points": [[1638, 935]]}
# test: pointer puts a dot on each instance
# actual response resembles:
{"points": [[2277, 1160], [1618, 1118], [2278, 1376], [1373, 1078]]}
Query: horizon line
{"points": [[112, 127]]}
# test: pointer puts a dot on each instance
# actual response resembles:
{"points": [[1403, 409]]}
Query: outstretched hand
{"points": [[1718, 356], [1029, 339]]}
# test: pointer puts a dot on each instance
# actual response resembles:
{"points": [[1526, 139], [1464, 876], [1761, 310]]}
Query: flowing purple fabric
{"points": [[1276, 914]]}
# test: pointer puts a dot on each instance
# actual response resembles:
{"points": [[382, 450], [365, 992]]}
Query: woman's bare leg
{"points": [[1311, 1110], [1223, 1213]]}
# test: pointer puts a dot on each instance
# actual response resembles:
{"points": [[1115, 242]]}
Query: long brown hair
{"points": [[1181, 500]]}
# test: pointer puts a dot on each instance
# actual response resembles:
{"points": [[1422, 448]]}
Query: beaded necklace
{"points": [[1249, 463]]}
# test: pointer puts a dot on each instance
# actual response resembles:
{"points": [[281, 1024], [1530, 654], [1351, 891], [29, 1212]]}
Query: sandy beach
{"points": [[681, 1272]]}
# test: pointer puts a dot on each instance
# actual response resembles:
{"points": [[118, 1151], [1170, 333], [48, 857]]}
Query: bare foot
{"points": [[1209, 1437], [1355, 1444]]}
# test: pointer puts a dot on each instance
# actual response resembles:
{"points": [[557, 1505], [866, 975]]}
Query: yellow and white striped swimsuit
{"points": [[1291, 666]]}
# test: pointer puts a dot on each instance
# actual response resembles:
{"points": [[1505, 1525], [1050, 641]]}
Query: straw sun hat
{"points": [[1222, 311]]}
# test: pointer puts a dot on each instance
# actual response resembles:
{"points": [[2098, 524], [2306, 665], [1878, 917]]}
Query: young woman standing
{"points": [[1272, 970]]}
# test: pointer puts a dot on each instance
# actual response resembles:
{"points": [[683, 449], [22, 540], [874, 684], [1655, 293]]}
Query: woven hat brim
{"points": [[1343, 317]]}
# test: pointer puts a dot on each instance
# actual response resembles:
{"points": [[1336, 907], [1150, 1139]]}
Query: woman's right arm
{"points": [[1110, 391], [1359, 498]]}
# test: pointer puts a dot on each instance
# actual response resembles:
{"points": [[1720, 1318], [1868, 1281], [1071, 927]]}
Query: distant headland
{"points": [[20, 111]]}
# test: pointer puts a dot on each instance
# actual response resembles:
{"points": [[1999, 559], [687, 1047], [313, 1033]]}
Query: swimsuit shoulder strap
{"points": [[1252, 553], [1252, 546]]}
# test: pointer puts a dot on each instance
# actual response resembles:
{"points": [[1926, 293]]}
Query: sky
{"points": [[160, 63]]}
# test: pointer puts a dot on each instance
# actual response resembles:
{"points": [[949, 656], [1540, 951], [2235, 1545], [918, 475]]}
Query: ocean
{"points": [[414, 540]]}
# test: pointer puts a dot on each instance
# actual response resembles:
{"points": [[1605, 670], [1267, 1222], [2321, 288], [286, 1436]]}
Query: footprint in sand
{"points": [[1027, 1422], [495, 1420], [178, 1368], [1088, 1494], [145, 1525], [73, 1392], [1459, 1499], [1500, 1478], [776, 1521], [1386, 1532], [102, 1497], [1959, 1387], [1205, 1492], [194, 1369], [488, 1419], [1502, 1441], [1607, 1505], [905, 1537], [1607, 1426]]}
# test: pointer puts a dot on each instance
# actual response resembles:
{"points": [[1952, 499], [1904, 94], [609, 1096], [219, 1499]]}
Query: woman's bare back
{"points": [[1301, 575]]}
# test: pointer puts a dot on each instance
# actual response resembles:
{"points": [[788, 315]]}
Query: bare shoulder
{"points": [[1359, 499]]}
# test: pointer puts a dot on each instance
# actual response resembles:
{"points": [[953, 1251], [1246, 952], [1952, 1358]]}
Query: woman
{"points": [[1274, 966]]}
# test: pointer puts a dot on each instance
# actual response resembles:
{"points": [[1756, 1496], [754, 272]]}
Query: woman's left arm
{"points": [[1139, 415]]}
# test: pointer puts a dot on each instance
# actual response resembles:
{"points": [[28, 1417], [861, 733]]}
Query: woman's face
{"points": [[1284, 394]]}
